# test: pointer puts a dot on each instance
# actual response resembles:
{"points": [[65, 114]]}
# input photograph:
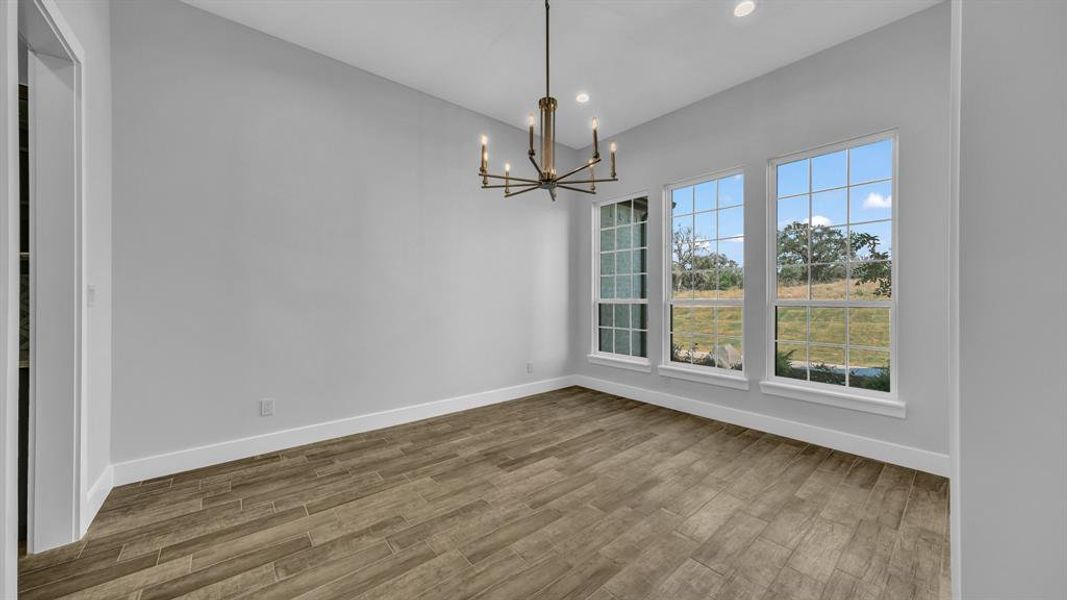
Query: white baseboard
{"points": [[897, 454], [193, 458], [95, 497]]}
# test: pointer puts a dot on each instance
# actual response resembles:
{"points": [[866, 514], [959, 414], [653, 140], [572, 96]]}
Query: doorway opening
{"points": [[52, 488]]}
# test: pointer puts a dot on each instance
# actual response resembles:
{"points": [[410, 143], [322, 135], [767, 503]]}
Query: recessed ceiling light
{"points": [[744, 8], [582, 98]]}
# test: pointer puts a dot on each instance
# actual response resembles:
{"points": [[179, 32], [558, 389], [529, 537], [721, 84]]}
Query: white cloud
{"points": [[876, 200], [820, 221], [736, 240]]}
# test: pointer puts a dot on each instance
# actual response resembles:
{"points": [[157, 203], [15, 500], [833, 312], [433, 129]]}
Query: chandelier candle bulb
{"points": [[613, 148], [596, 143], [531, 121]]}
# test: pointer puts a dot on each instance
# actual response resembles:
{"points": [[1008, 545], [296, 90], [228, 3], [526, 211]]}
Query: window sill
{"points": [[633, 364], [889, 407], [704, 375]]}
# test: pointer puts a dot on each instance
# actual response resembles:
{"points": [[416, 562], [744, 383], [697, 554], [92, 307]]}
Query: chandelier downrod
{"points": [[546, 169]]}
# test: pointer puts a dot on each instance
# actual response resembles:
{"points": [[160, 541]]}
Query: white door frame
{"points": [[56, 515]]}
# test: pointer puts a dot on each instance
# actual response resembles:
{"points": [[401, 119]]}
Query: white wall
{"points": [[894, 77], [1013, 395], [288, 226], [91, 22]]}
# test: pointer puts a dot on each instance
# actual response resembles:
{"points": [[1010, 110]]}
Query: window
{"points": [[622, 274], [706, 293], [833, 301]]}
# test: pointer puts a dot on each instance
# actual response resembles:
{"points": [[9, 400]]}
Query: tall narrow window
{"points": [[707, 249], [622, 278], [833, 286]]}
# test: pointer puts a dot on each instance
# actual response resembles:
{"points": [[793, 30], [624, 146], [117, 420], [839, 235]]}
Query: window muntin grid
{"points": [[833, 288], [706, 289], [622, 278]]}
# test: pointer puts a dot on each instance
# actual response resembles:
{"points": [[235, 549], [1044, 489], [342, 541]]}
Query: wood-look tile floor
{"points": [[570, 494]]}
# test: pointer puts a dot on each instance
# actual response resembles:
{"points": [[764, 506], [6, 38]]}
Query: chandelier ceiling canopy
{"points": [[547, 177]]}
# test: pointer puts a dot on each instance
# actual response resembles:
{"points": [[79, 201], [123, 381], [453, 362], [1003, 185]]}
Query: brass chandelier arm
{"points": [[574, 189], [510, 178], [533, 160], [529, 189], [578, 181], [587, 165], [516, 186]]}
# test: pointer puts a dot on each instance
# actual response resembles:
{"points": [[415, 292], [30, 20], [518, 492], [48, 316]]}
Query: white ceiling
{"points": [[637, 59]]}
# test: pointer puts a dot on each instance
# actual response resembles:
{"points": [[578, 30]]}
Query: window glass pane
{"points": [[702, 351], [827, 364], [829, 245], [793, 282], [871, 162], [639, 316], [871, 241], [728, 321], [869, 327], [640, 210], [828, 282], [640, 261], [638, 344], [640, 235], [607, 240], [705, 284], [705, 196], [869, 369], [732, 222], [682, 200], [624, 286], [730, 353], [791, 323], [607, 216], [607, 287], [607, 263], [731, 191], [871, 281], [792, 210], [683, 229], [607, 314], [705, 226], [871, 202], [624, 213], [693, 319], [732, 252], [829, 208], [622, 315], [624, 237], [828, 325], [829, 171], [793, 231], [793, 178], [622, 341], [681, 347], [606, 337], [640, 286], [791, 360], [623, 263]]}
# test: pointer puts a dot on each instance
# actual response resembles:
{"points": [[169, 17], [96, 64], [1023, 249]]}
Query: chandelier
{"points": [[547, 177]]}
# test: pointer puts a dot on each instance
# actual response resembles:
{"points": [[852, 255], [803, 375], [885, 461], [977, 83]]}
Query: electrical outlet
{"points": [[266, 407], [529, 367]]}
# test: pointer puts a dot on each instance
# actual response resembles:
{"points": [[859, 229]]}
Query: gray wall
{"points": [[90, 20], [894, 77], [1013, 421], [288, 226]]}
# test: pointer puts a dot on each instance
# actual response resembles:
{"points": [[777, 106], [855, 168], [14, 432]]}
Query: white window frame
{"points": [[699, 373], [872, 401], [633, 363]]}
